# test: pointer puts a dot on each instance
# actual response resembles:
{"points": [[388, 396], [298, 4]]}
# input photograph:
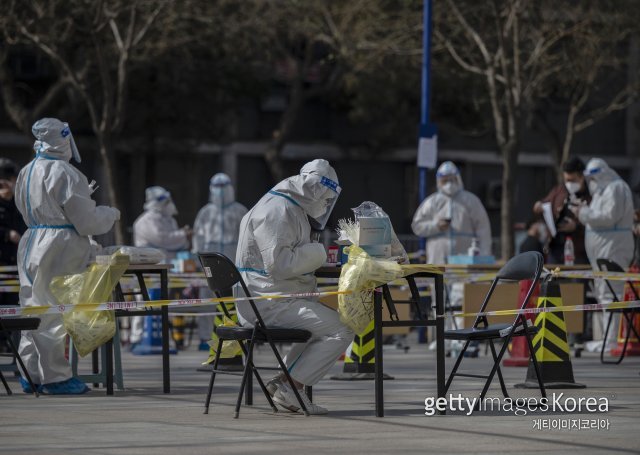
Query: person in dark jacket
{"points": [[573, 191]]}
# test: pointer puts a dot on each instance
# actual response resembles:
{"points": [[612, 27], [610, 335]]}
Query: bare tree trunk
{"points": [[106, 152], [281, 136], [509, 164]]}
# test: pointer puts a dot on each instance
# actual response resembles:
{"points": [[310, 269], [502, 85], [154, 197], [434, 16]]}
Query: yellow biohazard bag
{"points": [[90, 329], [229, 349], [361, 275]]}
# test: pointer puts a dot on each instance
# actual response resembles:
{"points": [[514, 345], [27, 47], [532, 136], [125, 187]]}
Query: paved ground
{"points": [[143, 420]]}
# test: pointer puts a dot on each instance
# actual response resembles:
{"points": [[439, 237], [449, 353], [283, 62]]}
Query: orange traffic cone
{"points": [[518, 349], [633, 345]]}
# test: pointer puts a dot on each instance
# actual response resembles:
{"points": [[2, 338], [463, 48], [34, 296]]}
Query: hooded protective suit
{"points": [[157, 227], [217, 223], [275, 255], [608, 221], [216, 229], [468, 218], [54, 199]]}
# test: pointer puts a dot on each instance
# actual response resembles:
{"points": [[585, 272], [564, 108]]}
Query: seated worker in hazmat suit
{"points": [[158, 228], [54, 199], [608, 221], [275, 255], [216, 231], [450, 219]]}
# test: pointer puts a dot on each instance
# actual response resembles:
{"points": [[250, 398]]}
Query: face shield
{"points": [[591, 175], [219, 186], [159, 199], [321, 210]]}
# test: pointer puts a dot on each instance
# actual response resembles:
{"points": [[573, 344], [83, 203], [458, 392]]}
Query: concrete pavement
{"points": [[143, 420]]}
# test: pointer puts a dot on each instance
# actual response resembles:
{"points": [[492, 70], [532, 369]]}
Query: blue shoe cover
{"points": [[204, 346], [26, 387], [72, 386]]}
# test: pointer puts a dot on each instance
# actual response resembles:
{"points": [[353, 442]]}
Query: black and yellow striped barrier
{"points": [[550, 345], [359, 360]]}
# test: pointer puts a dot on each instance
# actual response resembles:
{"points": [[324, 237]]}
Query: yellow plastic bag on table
{"points": [[361, 275], [90, 329]]}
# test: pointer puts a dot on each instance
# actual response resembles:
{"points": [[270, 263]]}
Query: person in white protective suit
{"points": [[450, 219], [276, 256], [608, 221], [157, 228], [54, 199], [215, 230]]}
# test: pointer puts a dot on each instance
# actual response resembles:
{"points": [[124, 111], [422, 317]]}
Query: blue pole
{"points": [[425, 99]]}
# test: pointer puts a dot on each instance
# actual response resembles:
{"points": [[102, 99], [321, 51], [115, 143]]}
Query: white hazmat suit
{"points": [[275, 255], [217, 223], [608, 221], [157, 227], [54, 199], [216, 229], [468, 219]]}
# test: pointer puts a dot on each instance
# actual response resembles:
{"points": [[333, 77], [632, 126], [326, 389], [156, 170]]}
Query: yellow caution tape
{"points": [[146, 305], [554, 309]]}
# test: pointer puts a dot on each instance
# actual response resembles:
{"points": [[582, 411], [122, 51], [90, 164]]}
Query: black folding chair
{"points": [[7, 326], [606, 265], [222, 274], [524, 266]]}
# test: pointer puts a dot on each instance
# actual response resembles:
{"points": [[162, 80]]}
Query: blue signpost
{"points": [[427, 147]]}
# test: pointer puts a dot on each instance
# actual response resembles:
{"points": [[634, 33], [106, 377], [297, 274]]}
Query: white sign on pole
{"points": [[428, 152]]}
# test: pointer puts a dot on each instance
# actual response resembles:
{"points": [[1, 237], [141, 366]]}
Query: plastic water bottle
{"points": [[474, 249], [568, 251]]}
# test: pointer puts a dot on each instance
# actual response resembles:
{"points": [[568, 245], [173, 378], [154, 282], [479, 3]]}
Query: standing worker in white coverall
{"points": [[216, 231], [608, 221], [276, 256], [54, 199], [450, 219], [157, 228]]}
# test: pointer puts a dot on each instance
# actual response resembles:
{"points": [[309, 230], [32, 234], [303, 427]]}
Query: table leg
{"points": [[377, 331], [108, 352], [164, 292], [440, 354]]}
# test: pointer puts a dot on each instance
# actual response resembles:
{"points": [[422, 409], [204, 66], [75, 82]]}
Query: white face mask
{"points": [[593, 186], [572, 187], [450, 188]]}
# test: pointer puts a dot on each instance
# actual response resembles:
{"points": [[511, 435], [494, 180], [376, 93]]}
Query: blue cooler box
{"points": [[464, 259]]}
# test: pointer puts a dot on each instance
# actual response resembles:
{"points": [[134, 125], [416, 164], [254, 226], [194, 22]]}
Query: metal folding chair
{"points": [[222, 274], [8, 325], [524, 266], [606, 265]]}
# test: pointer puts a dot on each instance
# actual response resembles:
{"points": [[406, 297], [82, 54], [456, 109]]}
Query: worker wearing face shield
{"points": [[54, 198], [275, 255], [608, 219], [450, 218], [215, 230]]}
